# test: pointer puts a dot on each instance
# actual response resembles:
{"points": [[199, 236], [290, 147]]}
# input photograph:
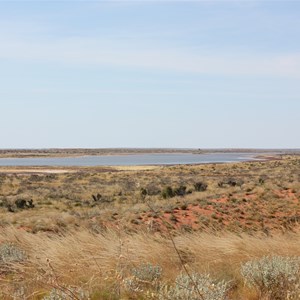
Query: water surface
{"points": [[130, 160]]}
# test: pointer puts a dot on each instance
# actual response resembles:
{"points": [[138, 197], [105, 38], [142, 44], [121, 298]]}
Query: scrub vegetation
{"points": [[215, 231]]}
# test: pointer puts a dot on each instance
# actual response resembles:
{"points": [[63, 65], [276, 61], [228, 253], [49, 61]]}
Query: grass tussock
{"points": [[107, 266]]}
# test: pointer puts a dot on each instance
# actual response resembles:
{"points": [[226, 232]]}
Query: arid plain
{"points": [[150, 232]]}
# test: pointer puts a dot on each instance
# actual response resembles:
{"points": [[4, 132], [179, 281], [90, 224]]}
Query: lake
{"points": [[130, 160]]}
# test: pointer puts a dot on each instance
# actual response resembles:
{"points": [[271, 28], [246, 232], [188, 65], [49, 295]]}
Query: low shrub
{"points": [[180, 191], [195, 287], [200, 186], [167, 192], [10, 253], [274, 277], [144, 277], [67, 293], [143, 192]]}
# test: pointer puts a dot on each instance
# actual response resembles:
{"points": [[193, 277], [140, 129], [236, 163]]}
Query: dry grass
{"points": [[267, 200], [98, 263]]}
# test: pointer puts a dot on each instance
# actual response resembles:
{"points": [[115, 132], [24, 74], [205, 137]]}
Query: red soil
{"points": [[243, 212]]}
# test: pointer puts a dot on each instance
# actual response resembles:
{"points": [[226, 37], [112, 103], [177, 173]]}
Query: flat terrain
{"points": [[252, 196], [30, 153], [21, 153], [111, 220]]}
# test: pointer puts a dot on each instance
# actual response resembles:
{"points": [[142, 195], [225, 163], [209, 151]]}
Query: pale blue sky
{"points": [[203, 74]]}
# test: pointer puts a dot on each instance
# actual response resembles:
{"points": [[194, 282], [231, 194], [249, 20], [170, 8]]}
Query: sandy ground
{"points": [[62, 170], [35, 171], [136, 168]]}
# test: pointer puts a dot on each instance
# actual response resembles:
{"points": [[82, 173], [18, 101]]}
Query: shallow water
{"points": [[130, 160]]}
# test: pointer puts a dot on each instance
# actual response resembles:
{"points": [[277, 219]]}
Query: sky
{"points": [[149, 74]]}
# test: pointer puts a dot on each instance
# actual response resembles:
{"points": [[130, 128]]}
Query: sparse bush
{"points": [[3, 203], [10, 253], [167, 192], [221, 184], [147, 272], [274, 277], [180, 191], [198, 286], [146, 276], [230, 182], [67, 293], [184, 206], [143, 192], [261, 180], [97, 197], [152, 189], [200, 186], [22, 204]]}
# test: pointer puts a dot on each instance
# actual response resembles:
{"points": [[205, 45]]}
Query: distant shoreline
{"points": [[80, 152], [59, 164]]}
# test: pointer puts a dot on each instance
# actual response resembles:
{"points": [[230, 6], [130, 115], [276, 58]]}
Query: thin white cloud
{"points": [[119, 53]]}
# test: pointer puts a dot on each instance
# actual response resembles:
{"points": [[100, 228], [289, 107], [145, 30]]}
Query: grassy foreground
{"points": [[116, 265], [217, 231]]}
